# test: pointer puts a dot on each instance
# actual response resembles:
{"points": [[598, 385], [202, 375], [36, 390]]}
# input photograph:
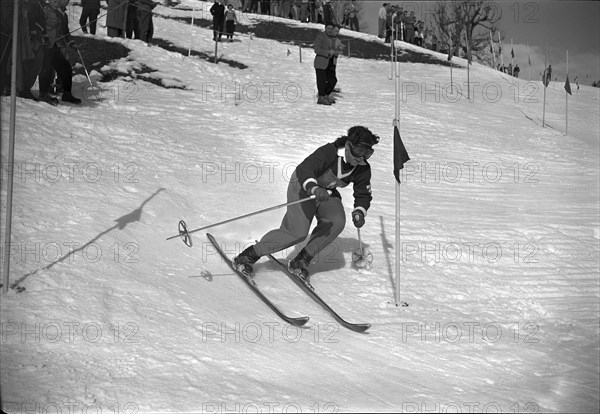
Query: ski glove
{"points": [[321, 193], [358, 218]]}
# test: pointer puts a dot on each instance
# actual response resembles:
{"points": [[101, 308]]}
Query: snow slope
{"points": [[499, 241]]}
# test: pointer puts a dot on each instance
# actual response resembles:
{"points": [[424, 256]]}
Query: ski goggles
{"points": [[360, 151]]}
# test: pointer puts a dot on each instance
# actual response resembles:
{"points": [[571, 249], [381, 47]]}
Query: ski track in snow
{"points": [[499, 242]]}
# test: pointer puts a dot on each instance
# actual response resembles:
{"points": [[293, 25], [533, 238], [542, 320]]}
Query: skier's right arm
{"points": [[313, 167]]}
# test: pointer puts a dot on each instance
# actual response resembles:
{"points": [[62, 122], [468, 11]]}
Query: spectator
{"points": [[328, 15], [319, 11], [397, 23], [547, 76], [296, 7], [55, 55], [230, 22], [346, 16], [31, 62], [90, 9], [132, 28], [434, 42], [312, 11], [331, 166], [389, 17], [353, 16], [286, 8], [403, 20], [31, 41], [410, 27], [144, 17], [338, 46], [218, 13], [275, 4], [265, 7], [381, 21], [249, 6], [516, 71], [116, 17], [324, 63], [304, 11]]}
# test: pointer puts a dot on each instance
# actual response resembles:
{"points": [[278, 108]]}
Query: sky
{"points": [[563, 25]]}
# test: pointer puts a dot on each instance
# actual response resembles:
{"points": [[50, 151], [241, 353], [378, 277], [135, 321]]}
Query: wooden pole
{"points": [[529, 61], [468, 68], [11, 147], [493, 53], [192, 30], [500, 52], [567, 100], [544, 82], [512, 59], [216, 47]]}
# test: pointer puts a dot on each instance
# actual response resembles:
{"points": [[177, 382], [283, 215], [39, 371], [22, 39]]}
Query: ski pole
{"points": [[86, 72], [184, 233], [360, 243], [362, 258]]}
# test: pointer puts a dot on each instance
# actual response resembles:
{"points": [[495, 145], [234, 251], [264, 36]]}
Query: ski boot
{"points": [[244, 261], [299, 266]]}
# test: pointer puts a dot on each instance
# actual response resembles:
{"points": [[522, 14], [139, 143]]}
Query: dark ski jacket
{"points": [[326, 168], [218, 12]]}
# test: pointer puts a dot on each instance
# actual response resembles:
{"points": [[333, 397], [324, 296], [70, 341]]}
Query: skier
{"points": [[333, 165]]}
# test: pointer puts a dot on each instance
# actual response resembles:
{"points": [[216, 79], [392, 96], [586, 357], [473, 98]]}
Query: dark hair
{"points": [[357, 135], [360, 135]]}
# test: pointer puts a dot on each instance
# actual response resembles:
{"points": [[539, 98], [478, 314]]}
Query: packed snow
{"points": [[499, 242]]}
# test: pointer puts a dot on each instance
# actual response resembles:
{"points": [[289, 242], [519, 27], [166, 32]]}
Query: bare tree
{"points": [[460, 22]]}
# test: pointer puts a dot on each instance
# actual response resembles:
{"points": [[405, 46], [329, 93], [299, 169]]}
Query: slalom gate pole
{"points": [[188, 232], [545, 83], [397, 188], [11, 148]]}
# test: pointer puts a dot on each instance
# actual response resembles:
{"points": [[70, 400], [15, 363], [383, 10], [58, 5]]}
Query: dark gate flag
{"points": [[400, 154], [568, 86]]}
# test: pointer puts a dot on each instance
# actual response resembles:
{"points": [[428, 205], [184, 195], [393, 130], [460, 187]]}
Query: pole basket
{"points": [[185, 234], [362, 259]]}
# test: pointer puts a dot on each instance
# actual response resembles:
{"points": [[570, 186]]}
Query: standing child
{"points": [[230, 22]]}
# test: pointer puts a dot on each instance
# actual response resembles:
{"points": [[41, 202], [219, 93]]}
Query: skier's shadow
{"points": [[121, 223]]}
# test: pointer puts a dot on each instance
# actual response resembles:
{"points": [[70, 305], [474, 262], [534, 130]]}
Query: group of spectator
{"points": [[124, 18], [395, 23], [307, 11], [44, 44], [45, 41], [224, 20], [509, 70]]}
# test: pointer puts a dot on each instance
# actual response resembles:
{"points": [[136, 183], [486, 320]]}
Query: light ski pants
{"points": [[331, 220]]}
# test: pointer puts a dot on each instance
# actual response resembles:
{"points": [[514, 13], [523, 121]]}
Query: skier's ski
{"points": [[309, 289], [292, 321]]}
